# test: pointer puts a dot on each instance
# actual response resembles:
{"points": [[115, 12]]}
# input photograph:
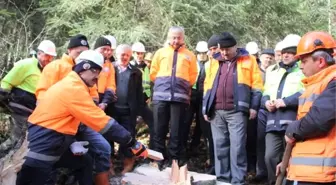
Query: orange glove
{"points": [[139, 150]]}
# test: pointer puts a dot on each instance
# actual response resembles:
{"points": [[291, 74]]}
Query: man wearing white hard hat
{"points": [[195, 107], [113, 41], [279, 103], [253, 49], [18, 88], [50, 133], [277, 52], [138, 61]]}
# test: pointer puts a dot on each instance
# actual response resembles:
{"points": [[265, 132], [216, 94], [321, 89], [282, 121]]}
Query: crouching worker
{"points": [[50, 133], [18, 88]]}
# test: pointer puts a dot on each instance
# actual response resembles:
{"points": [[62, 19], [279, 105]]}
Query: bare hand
{"points": [[270, 106], [102, 106], [253, 114], [289, 140], [279, 103], [278, 169], [206, 118]]}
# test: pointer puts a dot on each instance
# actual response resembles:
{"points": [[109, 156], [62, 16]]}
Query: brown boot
{"points": [[128, 165], [102, 178]]}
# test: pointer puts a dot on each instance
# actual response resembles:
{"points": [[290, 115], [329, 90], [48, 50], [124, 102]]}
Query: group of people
{"points": [[246, 103]]}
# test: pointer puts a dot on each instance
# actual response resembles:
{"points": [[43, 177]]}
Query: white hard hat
{"points": [[48, 47], [113, 41], [252, 48], [138, 47], [278, 46], [202, 47], [91, 55], [291, 40]]}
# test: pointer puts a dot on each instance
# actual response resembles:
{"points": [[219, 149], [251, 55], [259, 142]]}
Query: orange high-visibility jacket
{"points": [[314, 157], [106, 83], [173, 72], [56, 71], [247, 84], [71, 104]]}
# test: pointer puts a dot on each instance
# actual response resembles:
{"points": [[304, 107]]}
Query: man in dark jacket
{"points": [[130, 98]]}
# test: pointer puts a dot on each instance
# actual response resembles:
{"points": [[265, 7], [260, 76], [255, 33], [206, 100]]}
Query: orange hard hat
{"points": [[313, 41]]}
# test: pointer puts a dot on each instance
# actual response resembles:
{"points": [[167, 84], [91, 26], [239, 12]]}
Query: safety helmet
{"points": [[138, 47], [313, 41], [48, 47], [252, 48], [149, 56], [90, 55], [278, 46], [291, 40], [113, 41], [202, 47]]}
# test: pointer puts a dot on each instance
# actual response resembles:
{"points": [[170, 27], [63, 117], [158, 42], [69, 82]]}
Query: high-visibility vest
{"points": [[146, 81], [313, 158]]}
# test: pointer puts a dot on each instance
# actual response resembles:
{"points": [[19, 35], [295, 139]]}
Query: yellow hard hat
{"points": [[149, 56]]}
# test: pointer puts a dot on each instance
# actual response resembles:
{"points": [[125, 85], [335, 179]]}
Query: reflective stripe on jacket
{"points": [[248, 84], [314, 157], [173, 72]]}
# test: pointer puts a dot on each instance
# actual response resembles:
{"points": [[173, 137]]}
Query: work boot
{"points": [[102, 178], [128, 165]]}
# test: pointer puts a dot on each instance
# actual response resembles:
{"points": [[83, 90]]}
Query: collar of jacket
{"points": [[318, 77], [289, 67], [66, 58], [79, 79]]}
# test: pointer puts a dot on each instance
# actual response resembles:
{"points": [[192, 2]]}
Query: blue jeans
{"points": [[99, 148]]}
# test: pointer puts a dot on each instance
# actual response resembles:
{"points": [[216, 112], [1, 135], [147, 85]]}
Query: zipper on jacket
{"points": [[173, 78]]}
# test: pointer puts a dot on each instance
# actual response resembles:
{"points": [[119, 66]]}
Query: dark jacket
{"points": [[135, 91]]}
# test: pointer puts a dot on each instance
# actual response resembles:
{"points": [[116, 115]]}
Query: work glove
{"points": [[77, 148], [139, 150]]}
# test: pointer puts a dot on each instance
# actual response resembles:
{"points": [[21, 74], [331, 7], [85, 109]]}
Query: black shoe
{"points": [[258, 179]]}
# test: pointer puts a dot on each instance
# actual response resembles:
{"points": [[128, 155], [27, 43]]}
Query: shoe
{"points": [[258, 179]]}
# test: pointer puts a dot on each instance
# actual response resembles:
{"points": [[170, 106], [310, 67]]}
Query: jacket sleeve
{"points": [[139, 93], [263, 101], [111, 87], [320, 119], [14, 77], [293, 100], [193, 71], [50, 75], [94, 94], [256, 85], [83, 108], [155, 66]]}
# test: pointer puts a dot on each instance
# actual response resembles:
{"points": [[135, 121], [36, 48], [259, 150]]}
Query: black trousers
{"points": [[193, 112], [147, 115], [81, 166], [251, 145], [173, 112]]}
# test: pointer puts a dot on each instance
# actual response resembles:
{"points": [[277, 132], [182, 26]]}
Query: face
{"points": [[277, 56], [202, 57], [213, 50], [309, 66], [90, 77], [124, 57], [139, 56], [44, 59], [106, 51], [266, 60], [228, 53], [74, 52], [287, 58], [176, 38]]}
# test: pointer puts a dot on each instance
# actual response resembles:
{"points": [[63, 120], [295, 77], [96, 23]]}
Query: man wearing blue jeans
{"points": [[232, 92]]}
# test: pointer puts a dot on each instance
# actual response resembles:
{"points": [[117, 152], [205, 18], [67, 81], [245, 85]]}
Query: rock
{"points": [[148, 175]]}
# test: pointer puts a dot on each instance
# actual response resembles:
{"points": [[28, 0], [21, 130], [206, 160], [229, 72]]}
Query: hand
{"points": [[78, 148], [289, 140], [279, 103], [102, 106], [148, 101], [253, 114], [139, 150], [278, 169], [114, 97], [270, 106], [206, 118]]}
